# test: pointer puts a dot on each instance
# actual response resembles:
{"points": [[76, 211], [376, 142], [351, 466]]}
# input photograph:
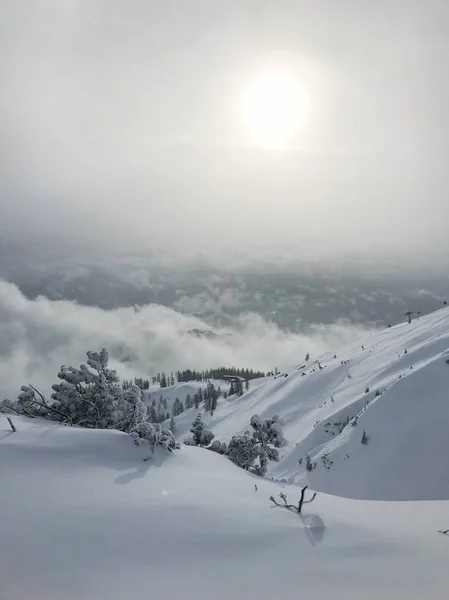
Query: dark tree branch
{"points": [[285, 505], [296, 509], [21, 412], [13, 427], [302, 501]]}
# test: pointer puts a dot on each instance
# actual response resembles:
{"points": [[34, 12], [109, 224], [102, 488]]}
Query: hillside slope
{"points": [[407, 454], [83, 517]]}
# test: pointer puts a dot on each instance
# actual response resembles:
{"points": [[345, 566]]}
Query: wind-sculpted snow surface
{"points": [[84, 517]]}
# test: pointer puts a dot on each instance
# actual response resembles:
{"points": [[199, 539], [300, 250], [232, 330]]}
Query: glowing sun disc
{"points": [[274, 106]]}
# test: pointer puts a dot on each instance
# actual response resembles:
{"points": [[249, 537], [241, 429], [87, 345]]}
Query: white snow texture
{"points": [[85, 517]]}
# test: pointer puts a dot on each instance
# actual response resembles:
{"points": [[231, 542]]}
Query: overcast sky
{"points": [[120, 123]]}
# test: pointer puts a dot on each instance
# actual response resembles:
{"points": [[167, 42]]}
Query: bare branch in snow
{"points": [[292, 507]]}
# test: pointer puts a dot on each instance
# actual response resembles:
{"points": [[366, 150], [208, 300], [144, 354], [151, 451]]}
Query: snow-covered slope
{"points": [[184, 389], [83, 517], [407, 454]]}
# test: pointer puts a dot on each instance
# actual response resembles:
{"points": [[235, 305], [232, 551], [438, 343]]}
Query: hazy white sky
{"points": [[119, 122]]}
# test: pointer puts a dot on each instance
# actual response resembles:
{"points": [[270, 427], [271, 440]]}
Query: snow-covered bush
{"points": [[309, 464], [219, 447], [155, 436]]}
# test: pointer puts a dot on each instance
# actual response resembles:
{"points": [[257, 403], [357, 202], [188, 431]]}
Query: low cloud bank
{"points": [[38, 336]]}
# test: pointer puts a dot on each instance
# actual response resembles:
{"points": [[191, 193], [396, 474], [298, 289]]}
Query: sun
{"points": [[274, 105]]}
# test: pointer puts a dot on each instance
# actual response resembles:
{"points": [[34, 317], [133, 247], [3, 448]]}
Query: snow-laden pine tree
{"points": [[160, 412], [32, 403], [188, 402], [268, 431], [201, 436], [132, 409], [151, 414], [177, 408], [91, 397], [172, 425], [155, 436], [252, 452], [242, 451], [219, 447]]}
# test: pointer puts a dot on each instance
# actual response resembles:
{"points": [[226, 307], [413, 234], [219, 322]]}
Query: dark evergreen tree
{"points": [[151, 414], [178, 408], [172, 426]]}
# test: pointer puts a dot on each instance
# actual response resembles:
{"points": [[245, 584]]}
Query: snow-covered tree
{"points": [[178, 408], [201, 436], [155, 436], [210, 397], [219, 447], [253, 452], [133, 410], [243, 452], [31, 403], [91, 397], [268, 431], [172, 426], [160, 415], [151, 414], [188, 402]]}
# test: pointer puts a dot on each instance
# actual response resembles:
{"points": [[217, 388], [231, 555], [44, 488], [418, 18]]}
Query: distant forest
{"points": [[188, 375]]}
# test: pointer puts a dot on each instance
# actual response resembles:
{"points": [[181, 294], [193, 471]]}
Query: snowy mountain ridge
{"points": [[392, 385]]}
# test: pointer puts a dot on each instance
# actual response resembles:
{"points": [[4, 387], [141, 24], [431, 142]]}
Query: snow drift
{"points": [[84, 517]]}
